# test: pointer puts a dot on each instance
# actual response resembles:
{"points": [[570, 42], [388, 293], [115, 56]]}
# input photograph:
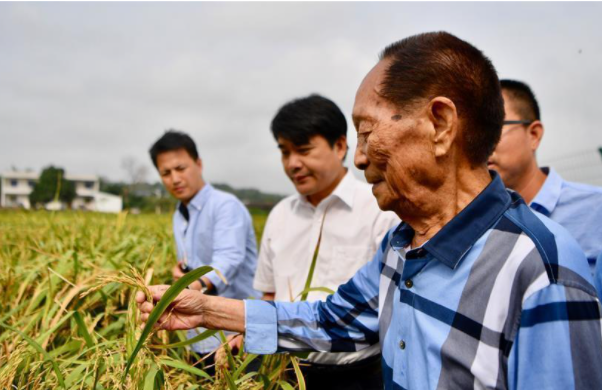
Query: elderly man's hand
{"points": [[185, 312]]}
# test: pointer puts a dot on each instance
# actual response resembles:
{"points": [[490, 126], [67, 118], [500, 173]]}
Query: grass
{"points": [[67, 315], [259, 219]]}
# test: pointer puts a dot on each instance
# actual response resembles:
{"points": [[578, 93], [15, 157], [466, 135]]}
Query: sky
{"points": [[86, 85]]}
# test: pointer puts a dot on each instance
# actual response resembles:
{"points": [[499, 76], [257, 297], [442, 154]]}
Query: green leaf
{"points": [[265, 380], [310, 289], [82, 330], [160, 380], [168, 297], [298, 373], [149, 379], [115, 325], [228, 350], [231, 384], [75, 376], [69, 347], [285, 386], [246, 377], [205, 335], [42, 338], [41, 350], [244, 365], [186, 367], [314, 259]]}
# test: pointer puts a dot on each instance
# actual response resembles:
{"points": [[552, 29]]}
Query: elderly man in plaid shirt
{"points": [[473, 290]]}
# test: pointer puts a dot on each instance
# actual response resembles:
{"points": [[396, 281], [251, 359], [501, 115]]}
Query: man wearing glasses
{"points": [[577, 207]]}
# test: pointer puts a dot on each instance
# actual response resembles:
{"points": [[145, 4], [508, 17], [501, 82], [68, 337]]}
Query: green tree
{"points": [[115, 188], [52, 185]]}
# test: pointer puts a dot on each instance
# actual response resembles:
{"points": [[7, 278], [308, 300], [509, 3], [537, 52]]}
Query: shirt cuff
{"points": [[218, 283], [261, 333]]}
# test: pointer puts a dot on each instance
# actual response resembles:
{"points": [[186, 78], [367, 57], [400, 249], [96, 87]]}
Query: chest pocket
{"points": [[347, 260]]}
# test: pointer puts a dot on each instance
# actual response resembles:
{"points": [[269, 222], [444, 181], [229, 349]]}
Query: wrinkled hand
{"points": [[185, 312], [235, 343]]}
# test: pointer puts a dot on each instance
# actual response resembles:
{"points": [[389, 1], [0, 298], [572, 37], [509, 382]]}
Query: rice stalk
{"points": [[67, 282]]}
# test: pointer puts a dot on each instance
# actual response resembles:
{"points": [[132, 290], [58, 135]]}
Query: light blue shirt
{"points": [[575, 206], [500, 297], [220, 234]]}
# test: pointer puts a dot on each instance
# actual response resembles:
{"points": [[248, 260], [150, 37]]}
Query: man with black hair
{"points": [[473, 290], [329, 229], [211, 227], [575, 206]]}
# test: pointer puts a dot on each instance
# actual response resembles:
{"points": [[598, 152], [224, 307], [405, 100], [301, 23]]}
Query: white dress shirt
{"points": [[353, 229]]}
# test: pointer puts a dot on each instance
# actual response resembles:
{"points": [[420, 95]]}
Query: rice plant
{"points": [[68, 318]]}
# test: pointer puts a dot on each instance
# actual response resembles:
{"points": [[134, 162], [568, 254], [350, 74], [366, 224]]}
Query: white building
{"points": [[16, 187]]}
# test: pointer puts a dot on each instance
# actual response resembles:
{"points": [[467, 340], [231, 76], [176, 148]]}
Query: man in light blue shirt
{"points": [[473, 290], [211, 227], [577, 207]]}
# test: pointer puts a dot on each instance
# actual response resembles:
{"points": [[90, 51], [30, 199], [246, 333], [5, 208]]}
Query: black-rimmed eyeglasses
{"points": [[518, 122]]}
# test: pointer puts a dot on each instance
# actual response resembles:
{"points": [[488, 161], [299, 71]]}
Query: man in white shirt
{"points": [[334, 215]]}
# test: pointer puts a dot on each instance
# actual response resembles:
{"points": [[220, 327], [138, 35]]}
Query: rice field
{"points": [[68, 318]]}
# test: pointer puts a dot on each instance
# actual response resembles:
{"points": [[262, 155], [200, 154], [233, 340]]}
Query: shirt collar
{"points": [[549, 194], [345, 191], [458, 236], [198, 201]]}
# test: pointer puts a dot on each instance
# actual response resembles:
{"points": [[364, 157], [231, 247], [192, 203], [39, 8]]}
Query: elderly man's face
{"points": [[394, 148]]}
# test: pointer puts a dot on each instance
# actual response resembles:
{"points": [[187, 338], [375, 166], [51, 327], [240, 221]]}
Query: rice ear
{"points": [[168, 297], [41, 350]]}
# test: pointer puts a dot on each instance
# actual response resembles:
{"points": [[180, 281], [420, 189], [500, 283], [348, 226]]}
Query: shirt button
{"points": [[409, 283], [402, 344]]}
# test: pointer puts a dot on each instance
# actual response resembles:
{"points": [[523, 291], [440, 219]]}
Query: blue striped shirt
{"points": [[499, 298], [598, 276]]}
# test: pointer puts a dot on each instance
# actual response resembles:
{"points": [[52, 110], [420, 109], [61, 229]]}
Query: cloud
{"points": [[83, 85]]}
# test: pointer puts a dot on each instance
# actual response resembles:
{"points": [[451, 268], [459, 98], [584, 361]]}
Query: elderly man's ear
{"points": [[444, 118]]}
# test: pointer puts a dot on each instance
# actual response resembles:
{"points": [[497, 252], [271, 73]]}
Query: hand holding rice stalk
{"points": [[184, 313]]}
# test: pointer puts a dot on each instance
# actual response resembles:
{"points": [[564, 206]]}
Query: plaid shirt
{"points": [[500, 298]]}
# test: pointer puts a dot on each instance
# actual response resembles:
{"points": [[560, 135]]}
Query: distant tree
{"points": [[52, 185], [114, 188], [250, 195], [136, 174], [135, 171]]}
